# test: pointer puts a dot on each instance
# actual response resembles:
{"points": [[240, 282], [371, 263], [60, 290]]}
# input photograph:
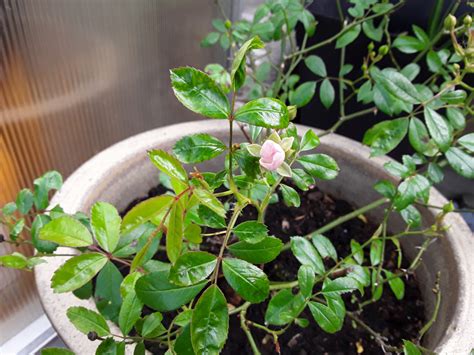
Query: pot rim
{"points": [[458, 337]]}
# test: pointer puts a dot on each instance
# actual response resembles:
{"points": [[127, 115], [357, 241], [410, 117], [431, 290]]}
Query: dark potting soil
{"points": [[391, 318]]}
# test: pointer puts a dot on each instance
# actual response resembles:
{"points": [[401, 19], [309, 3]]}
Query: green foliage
{"points": [[208, 100], [158, 293], [105, 223], [197, 148], [66, 231], [86, 320], [284, 307], [320, 166], [257, 253], [192, 268], [264, 112], [386, 135], [247, 280], [210, 322], [251, 231], [307, 254], [77, 271]]}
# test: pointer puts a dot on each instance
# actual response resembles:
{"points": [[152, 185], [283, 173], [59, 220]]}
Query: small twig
{"points": [[437, 292]]}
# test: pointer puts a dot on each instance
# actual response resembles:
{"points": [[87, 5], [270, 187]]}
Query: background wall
{"points": [[76, 77]]}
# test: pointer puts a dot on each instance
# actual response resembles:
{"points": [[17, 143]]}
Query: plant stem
{"points": [[347, 28], [245, 328], [344, 218], [428, 325], [237, 209], [349, 117]]}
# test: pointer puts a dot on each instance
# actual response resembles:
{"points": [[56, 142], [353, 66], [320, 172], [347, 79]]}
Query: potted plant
{"points": [[258, 236]]}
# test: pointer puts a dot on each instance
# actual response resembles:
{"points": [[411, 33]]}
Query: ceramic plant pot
{"points": [[123, 172]]}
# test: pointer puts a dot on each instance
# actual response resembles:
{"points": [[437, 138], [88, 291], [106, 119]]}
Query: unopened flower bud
{"points": [[467, 21], [371, 46], [456, 67], [228, 24], [449, 207], [383, 50], [450, 23], [92, 336]]}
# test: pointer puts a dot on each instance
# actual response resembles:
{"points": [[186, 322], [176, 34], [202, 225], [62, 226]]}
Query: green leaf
{"points": [[197, 148], [284, 307], [168, 164], [309, 141], [107, 291], [127, 285], [84, 292], [290, 196], [408, 44], [324, 246], [467, 141], [410, 349], [17, 228], [77, 271], [192, 267], [411, 216], [461, 162], [56, 351], [24, 201], [321, 166], [210, 322], [43, 246], [376, 252], [146, 211], [183, 345], [419, 137], [326, 93], [152, 326], [374, 33], [303, 94], [306, 280], [174, 234], [326, 318], [199, 93], [14, 261], [209, 200], [86, 320], [348, 37], [386, 135], [411, 71], [434, 62], [396, 285], [302, 179], [339, 286], [365, 93], [9, 208], [105, 223], [397, 85], [264, 112], [66, 231], [110, 347], [413, 187], [439, 129], [129, 312], [52, 180], [251, 231], [192, 233], [358, 252], [456, 118], [316, 65], [237, 72], [247, 280], [435, 174], [454, 97], [306, 254], [257, 253], [210, 39], [155, 291], [208, 217]]}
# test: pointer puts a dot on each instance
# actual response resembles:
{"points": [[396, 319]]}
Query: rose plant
{"points": [[199, 205]]}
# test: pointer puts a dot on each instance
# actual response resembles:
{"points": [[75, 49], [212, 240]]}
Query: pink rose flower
{"points": [[271, 155]]}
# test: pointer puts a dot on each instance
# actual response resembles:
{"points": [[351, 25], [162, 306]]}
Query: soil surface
{"points": [[393, 319]]}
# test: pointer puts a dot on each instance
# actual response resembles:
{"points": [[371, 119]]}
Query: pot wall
{"points": [[123, 172]]}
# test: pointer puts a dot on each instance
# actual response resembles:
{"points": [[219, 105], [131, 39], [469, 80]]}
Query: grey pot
{"points": [[123, 172]]}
